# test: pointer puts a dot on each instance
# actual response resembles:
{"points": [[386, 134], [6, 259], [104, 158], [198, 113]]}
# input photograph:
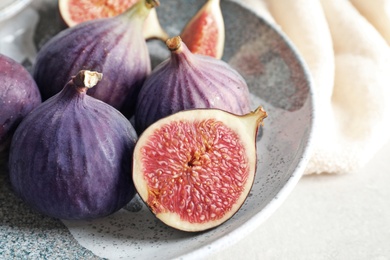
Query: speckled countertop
{"points": [[25, 234]]}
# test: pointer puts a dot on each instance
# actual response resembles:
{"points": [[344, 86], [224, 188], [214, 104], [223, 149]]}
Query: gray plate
{"points": [[278, 81]]}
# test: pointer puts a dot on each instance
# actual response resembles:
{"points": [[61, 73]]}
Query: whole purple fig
{"points": [[71, 157], [186, 81], [113, 46], [18, 96]]}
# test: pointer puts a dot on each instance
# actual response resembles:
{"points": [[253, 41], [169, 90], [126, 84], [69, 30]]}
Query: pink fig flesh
{"points": [[194, 174]]}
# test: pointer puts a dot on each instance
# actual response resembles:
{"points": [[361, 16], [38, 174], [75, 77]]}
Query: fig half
{"points": [[195, 168], [205, 32], [74, 12]]}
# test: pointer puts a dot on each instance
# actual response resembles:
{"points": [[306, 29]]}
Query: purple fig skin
{"points": [[186, 81], [19, 95], [71, 157], [113, 46]]}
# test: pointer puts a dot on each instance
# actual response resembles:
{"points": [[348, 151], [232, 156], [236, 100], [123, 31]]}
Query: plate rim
{"points": [[14, 8]]}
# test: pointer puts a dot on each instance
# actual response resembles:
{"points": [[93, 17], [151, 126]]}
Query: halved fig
{"points": [[74, 12], [205, 32], [195, 168]]}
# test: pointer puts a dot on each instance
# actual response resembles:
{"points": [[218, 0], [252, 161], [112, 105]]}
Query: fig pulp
{"points": [[195, 168], [187, 80], [71, 157], [74, 12], [114, 46], [205, 32], [18, 96]]}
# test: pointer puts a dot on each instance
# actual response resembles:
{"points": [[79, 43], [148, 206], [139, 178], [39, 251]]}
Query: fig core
{"points": [[204, 175]]}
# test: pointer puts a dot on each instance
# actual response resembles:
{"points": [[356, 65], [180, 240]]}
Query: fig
{"points": [[195, 168], [71, 157], [205, 32], [74, 12], [187, 80], [113, 46], [18, 96]]}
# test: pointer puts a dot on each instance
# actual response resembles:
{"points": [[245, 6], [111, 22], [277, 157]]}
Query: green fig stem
{"points": [[174, 43], [86, 79]]}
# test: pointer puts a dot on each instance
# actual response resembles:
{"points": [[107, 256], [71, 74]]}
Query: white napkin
{"points": [[345, 45]]}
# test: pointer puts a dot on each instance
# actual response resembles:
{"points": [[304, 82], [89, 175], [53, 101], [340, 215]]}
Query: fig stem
{"points": [[87, 79], [174, 43], [141, 9], [255, 118], [152, 3]]}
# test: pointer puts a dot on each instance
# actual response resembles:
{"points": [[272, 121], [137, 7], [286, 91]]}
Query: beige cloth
{"points": [[345, 45]]}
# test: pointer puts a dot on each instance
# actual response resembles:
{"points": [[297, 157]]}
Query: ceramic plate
{"points": [[9, 8], [278, 80]]}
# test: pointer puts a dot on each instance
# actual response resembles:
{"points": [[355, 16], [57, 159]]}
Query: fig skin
{"points": [[152, 27], [71, 157], [195, 168], [19, 95], [186, 81], [113, 46]]}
